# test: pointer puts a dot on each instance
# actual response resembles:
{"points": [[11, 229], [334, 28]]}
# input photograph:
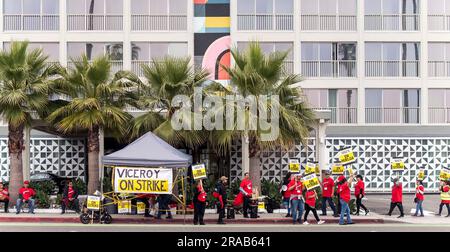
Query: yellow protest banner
{"points": [[199, 171], [294, 166], [346, 156], [140, 207], [421, 175], [261, 205], [444, 175], [337, 169], [93, 203], [124, 207], [317, 171], [310, 168], [142, 180], [397, 164], [311, 181]]}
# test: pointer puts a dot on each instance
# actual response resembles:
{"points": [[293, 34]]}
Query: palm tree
{"points": [[25, 84], [97, 102], [258, 74]]}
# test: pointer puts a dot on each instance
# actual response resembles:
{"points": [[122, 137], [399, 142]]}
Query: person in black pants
{"points": [[222, 192], [163, 206], [359, 194], [199, 203], [144, 198]]}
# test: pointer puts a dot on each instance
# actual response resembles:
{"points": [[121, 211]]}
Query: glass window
{"points": [[32, 7], [158, 7], [332, 98], [373, 98], [310, 51], [326, 51], [411, 51], [327, 7], [95, 7], [346, 51], [347, 7], [76, 7], [242, 46], [52, 50], [411, 6], [114, 7], [391, 7], [309, 7], [50, 7], [411, 98], [140, 51], [447, 6], [177, 49], [264, 6], [177, 7], [284, 6], [158, 50], [391, 98], [114, 50], [436, 7], [373, 51], [347, 98], [283, 47], [372, 7], [436, 98], [435, 51], [12, 7], [139, 7], [246, 6], [75, 50], [447, 98], [266, 47], [317, 98], [391, 51]]}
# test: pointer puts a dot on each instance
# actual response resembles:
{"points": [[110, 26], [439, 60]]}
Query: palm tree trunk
{"points": [[93, 162], [15, 146], [255, 164]]}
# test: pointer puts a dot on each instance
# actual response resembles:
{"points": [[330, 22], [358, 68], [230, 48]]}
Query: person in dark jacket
{"points": [[222, 196], [70, 198], [163, 206], [199, 201]]}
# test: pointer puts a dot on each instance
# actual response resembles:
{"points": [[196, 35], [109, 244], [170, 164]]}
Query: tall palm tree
{"points": [[97, 102], [257, 74], [25, 84]]}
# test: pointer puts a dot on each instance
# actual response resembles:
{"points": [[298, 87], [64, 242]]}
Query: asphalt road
{"points": [[53, 227]]}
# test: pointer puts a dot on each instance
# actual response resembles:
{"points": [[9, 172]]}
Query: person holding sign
{"points": [[4, 196], [26, 195], [327, 194], [344, 198], [310, 205], [397, 198], [420, 191], [286, 193], [246, 189], [296, 188], [445, 197], [359, 194], [221, 192], [199, 203]]}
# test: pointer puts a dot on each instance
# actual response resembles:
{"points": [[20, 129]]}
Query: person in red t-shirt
{"points": [[4, 196], [199, 203], [420, 191], [26, 195], [359, 194], [296, 189], [70, 198], [327, 194], [445, 197], [286, 193], [344, 198], [310, 205], [246, 190], [397, 198]]}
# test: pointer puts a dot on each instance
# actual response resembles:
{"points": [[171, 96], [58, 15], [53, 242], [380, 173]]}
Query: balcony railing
{"points": [[333, 68], [116, 65], [392, 68], [92, 22], [31, 22], [266, 22], [136, 66], [438, 22], [392, 22], [437, 115], [158, 22], [342, 115], [393, 115], [328, 22], [439, 68]]}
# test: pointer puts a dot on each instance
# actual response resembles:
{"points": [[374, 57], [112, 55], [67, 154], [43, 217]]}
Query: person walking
{"points": [[246, 189], [296, 187], [199, 203], [420, 191], [327, 194], [344, 198], [397, 198], [359, 194], [286, 193], [4, 196], [221, 193], [445, 197], [310, 205]]}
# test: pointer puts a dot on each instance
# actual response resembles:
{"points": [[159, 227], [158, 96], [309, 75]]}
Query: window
{"points": [[148, 15], [328, 15], [270, 47], [265, 14], [94, 15], [392, 59], [439, 59], [93, 50], [328, 59], [49, 49], [439, 105], [341, 102], [392, 15], [31, 15]]}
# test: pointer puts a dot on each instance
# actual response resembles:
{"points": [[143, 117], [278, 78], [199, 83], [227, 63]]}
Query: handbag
{"points": [[415, 200]]}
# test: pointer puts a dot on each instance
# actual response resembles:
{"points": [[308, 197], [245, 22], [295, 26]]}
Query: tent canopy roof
{"points": [[148, 151]]}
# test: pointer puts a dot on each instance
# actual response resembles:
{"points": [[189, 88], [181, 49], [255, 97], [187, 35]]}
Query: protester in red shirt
{"points": [[4, 196], [296, 189], [310, 205], [246, 189], [199, 203], [397, 198], [327, 194], [445, 197], [344, 198], [359, 194], [26, 195], [420, 191], [70, 198], [286, 193]]}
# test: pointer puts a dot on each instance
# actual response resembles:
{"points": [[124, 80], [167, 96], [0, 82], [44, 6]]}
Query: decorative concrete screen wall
{"points": [[373, 160], [64, 157]]}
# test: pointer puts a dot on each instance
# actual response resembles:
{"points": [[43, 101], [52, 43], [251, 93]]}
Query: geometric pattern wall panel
{"points": [[4, 160]]}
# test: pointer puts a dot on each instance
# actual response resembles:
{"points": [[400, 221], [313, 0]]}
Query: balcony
{"points": [[438, 22], [342, 115], [328, 23], [116, 65], [136, 66], [94, 22], [393, 115], [266, 22], [393, 22], [392, 68], [332, 68], [31, 22], [158, 23], [439, 68], [438, 115]]}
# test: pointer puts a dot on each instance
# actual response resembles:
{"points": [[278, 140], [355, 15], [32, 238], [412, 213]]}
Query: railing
{"points": [[439, 68], [393, 115], [288, 67], [438, 22], [31, 22], [92, 22], [438, 115], [158, 22], [392, 68], [342, 115], [392, 22], [328, 22], [116, 65], [332, 68], [136, 66], [266, 22]]}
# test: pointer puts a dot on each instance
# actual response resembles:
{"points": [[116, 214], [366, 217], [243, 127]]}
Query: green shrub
{"points": [[80, 186], [43, 191]]}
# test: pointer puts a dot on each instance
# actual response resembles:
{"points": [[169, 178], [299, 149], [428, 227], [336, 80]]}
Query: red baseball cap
{"points": [[26, 182], [341, 178]]}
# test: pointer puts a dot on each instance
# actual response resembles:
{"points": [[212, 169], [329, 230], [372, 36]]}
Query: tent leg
{"points": [[184, 199]]}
